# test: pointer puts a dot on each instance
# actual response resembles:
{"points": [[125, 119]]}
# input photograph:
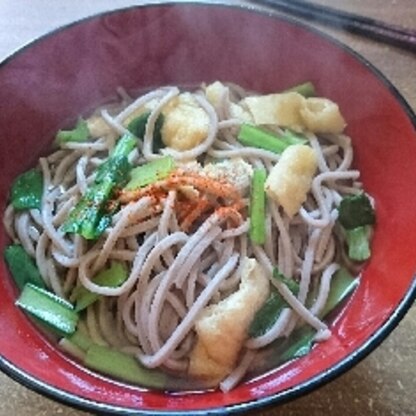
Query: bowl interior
{"points": [[71, 71]]}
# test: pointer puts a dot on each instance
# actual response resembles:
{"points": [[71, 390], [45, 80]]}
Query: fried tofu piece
{"points": [[321, 115], [215, 94], [292, 110], [222, 328], [186, 123], [280, 109], [290, 179]]}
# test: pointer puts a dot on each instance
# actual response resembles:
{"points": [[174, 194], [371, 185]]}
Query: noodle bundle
{"points": [[195, 280]]}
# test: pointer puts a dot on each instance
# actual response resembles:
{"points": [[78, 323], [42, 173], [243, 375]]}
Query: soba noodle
{"points": [[184, 241]]}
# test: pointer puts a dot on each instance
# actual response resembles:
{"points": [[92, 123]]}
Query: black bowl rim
{"points": [[284, 396]]}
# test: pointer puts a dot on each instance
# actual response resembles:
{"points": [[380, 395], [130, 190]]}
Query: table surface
{"points": [[383, 383]]}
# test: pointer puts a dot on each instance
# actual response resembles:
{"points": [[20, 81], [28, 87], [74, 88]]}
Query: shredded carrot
{"points": [[202, 205], [211, 186], [215, 196]]}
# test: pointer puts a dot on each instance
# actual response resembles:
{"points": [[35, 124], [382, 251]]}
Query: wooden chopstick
{"points": [[371, 28]]}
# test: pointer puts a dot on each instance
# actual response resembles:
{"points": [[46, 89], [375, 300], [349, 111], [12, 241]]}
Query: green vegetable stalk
{"points": [[356, 216], [358, 242], [113, 276], [79, 134], [307, 89], [254, 136], [50, 309], [301, 341], [122, 366], [150, 172], [257, 230]]}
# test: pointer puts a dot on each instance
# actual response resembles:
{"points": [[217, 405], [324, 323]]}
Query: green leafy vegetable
{"points": [[90, 217], [254, 136], [150, 172], [49, 308], [268, 314], [356, 216], [114, 276], [257, 230], [138, 127], [292, 285], [122, 366], [93, 213], [307, 89], [342, 285], [298, 344], [356, 211], [22, 267], [27, 190], [79, 134], [301, 341]]}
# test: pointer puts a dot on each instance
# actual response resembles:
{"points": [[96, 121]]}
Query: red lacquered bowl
{"points": [[80, 66]]}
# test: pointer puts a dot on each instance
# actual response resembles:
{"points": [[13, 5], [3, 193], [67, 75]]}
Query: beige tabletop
{"points": [[383, 383]]}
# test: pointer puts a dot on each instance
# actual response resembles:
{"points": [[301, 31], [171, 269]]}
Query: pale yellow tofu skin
{"points": [[281, 109], [290, 179], [292, 110], [222, 328], [217, 92], [185, 125], [321, 115]]}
